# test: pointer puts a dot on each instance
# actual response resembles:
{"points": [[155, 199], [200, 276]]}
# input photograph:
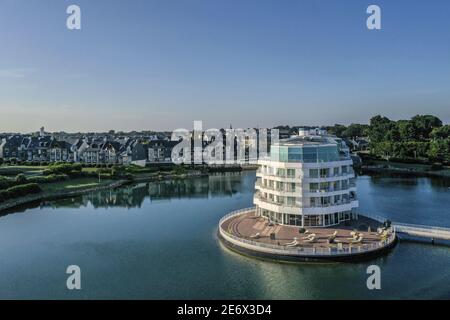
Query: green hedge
{"points": [[7, 183], [49, 179], [63, 168], [19, 191]]}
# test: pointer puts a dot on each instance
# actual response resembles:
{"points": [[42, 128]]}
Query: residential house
{"points": [[61, 151], [160, 151]]}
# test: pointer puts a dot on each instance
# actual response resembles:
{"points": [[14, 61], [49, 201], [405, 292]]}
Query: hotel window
{"points": [[313, 173], [344, 184], [336, 171], [280, 200], [344, 169], [309, 154], [290, 201], [280, 172], [324, 186], [346, 215], [291, 187], [294, 220], [336, 185], [313, 187], [325, 201], [327, 219], [291, 173], [337, 199], [324, 173]]}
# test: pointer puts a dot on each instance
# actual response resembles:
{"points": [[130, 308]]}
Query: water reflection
{"points": [[134, 195], [168, 247]]}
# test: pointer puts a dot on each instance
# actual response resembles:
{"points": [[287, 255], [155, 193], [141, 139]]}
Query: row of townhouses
{"points": [[112, 149], [86, 149]]}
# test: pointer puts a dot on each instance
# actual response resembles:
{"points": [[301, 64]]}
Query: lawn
{"points": [[74, 184]]}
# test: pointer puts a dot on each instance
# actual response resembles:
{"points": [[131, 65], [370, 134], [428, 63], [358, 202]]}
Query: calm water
{"points": [[158, 240]]}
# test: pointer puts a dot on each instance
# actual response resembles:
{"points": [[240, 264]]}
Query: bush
{"points": [[6, 183], [179, 170], [19, 191], [63, 168], [21, 179], [49, 178]]}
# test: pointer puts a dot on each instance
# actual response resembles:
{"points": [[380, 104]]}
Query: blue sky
{"points": [[160, 65]]}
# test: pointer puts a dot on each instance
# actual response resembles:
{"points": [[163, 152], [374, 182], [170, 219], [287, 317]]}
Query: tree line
{"points": [[423, 138]]}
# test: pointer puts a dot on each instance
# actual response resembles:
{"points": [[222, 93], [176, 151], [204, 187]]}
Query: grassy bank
{"points": [[65, 180], [61, 189], [74, 184]]}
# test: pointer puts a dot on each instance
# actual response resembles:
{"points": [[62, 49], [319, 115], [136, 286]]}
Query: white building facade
{"points": [[307, 181]]}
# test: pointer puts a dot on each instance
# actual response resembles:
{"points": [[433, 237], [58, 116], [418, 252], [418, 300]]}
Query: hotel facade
{"points": [[307, 181]]}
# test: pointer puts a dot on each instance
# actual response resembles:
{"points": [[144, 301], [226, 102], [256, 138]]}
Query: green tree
{"points": [[337, 130], [424, 125], [379, 126], [355, 130], [440, 132]]}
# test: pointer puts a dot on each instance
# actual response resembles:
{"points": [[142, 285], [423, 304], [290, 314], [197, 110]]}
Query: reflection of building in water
{"points": [[130, 196], [214, 185]]}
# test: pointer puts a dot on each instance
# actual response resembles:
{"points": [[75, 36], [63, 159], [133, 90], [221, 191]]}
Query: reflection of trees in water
{"points": [[399, 180], [218, 185]]}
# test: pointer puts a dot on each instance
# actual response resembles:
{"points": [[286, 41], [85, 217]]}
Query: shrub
{"points": [[19, 191], [179, 170], [49, 178], [63, 168], [21, 179]]}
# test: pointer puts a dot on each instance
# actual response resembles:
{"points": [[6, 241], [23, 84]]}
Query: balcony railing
{"points": [[278, 203]]}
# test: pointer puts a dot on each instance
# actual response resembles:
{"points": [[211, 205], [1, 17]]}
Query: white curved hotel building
{"points": [[307, 181]]}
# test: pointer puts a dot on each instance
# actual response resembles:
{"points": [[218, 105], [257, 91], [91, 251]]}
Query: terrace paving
{"points": [[247, 225]]}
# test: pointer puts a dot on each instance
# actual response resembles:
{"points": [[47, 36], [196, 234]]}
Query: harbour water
{"points": [[158, 240]]}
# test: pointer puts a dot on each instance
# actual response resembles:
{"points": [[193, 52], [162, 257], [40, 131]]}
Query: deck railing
{"points": [[299, 251]]}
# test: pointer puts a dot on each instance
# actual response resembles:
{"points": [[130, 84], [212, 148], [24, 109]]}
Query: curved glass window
{"points": [[308, 154]]}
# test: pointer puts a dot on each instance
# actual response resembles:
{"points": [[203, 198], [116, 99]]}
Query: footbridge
{"points": [[421, 231], [415, 230]]}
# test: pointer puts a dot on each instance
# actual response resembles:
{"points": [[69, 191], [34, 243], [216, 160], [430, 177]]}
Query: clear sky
{"points": [[160, 65]]}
